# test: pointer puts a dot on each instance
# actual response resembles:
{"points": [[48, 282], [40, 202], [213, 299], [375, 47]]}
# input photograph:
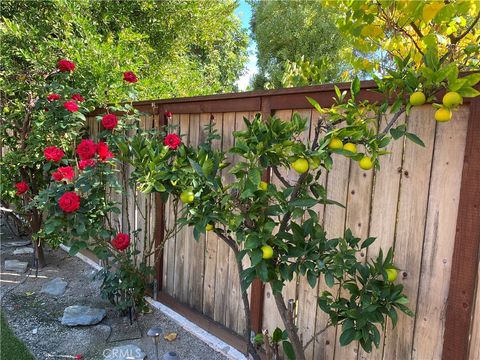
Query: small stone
{"points": [[23, 251], [18, 243], [125, 352], [82, 315], [55, 287], [15, 265], [34, 331]]}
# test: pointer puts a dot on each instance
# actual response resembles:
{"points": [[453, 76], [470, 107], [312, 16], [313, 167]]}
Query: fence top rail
{"points": [[263, 100]]}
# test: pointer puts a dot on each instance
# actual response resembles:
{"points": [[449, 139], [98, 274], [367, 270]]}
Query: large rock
{"points": [[55, 287], [23, 251], [125, 352], [15, 265], [82, 315]]}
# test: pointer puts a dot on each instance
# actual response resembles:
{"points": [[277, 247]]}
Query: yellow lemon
{"points": [[350, 147], [300, 165], [263, 186], [335, 144], [267, 252], [417, 98], [443, 115], [391, 274], [187, 196], [452, 99], [366, 163], [209, 227]]}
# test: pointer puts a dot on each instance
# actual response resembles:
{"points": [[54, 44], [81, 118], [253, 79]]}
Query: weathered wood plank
{"points": [[412, 207], [221, 281], [474, 346], [384, 211], [181, 250], [439, 236], [212, 241]]}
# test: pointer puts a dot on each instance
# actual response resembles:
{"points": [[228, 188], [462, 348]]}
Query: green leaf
{"points": [[277, 335], [312, 279], [398, 132], [329, 280], [347, 336], [415, 139], [288, 350], [307, 202], [76, 247], [355, 87], [367, 242], [315, 104], [468, 92]]}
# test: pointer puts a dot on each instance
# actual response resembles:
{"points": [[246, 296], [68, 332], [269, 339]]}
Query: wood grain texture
{"points": [[466, 251], [412, 209], [221, 280], [439, 236], [211, 241], [384, 212]]}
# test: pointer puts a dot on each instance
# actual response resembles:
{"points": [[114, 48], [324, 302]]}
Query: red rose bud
{"points": [[83, 164], [103, 151], [53, 153], [86, 149], [65, 65], [70, 106], [78, 357], [109, 121], [78, 97], [22, 187], [121, 241], [173, 141], [69, 202], [168, 114], [65, 172], [129, 76], [53, 97]]}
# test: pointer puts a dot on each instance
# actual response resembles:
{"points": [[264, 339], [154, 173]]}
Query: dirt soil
{"points": [[34, 316]]}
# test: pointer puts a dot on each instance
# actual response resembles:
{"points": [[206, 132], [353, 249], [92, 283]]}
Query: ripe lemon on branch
{"points": [[300, 165], [267, 252]]}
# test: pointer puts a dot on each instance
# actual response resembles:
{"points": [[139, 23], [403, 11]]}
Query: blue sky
{"points": [[244, 12]]}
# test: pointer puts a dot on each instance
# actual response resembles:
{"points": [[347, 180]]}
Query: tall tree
{"points": [[292, 34]]}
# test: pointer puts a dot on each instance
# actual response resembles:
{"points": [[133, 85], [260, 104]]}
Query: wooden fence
{"points": [[424, 202]]}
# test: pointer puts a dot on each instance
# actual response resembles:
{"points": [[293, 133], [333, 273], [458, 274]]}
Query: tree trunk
{"points": [[36, 224], [289, 326], [246, 307]]}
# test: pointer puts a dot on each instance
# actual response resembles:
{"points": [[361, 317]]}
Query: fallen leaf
{"points": [[170, 336], [30, 293]]}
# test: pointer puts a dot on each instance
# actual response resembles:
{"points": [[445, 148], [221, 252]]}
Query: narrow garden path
{"points": [[34, 312]]}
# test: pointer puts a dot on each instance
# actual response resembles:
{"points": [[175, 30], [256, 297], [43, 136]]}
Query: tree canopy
{"points": [[296, 33], [177, 48]]}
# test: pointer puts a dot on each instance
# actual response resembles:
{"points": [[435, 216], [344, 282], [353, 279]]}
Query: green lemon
{"points": [[335, 144], [300, 166], [263, 186], [209, 227], [391, 274], [417, 98], [452, 99], [267, 252], [187, 196]]}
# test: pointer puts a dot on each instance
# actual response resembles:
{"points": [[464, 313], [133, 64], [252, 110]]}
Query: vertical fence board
{"points": [[384, 212], [212, 242], [474, 346], [412, 209], [221, 281], [439, 236], [169, 253]]}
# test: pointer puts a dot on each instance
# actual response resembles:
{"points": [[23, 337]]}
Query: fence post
{"points": [[159, 232], [466, 249]]}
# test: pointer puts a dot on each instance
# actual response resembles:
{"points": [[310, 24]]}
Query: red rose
{"points": [[103, 152], [168, 114], [64, 172], [78, 97], [22, 187], [173, 141], [86, 149], [70, 106], [65, 65], [129, 76], [121, 241], [53, 153], [53, 97], [83, 164], [69, 202], [109, 121]]}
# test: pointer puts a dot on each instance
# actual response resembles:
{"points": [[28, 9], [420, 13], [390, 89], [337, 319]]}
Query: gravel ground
{"points": [[34, 316]]}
